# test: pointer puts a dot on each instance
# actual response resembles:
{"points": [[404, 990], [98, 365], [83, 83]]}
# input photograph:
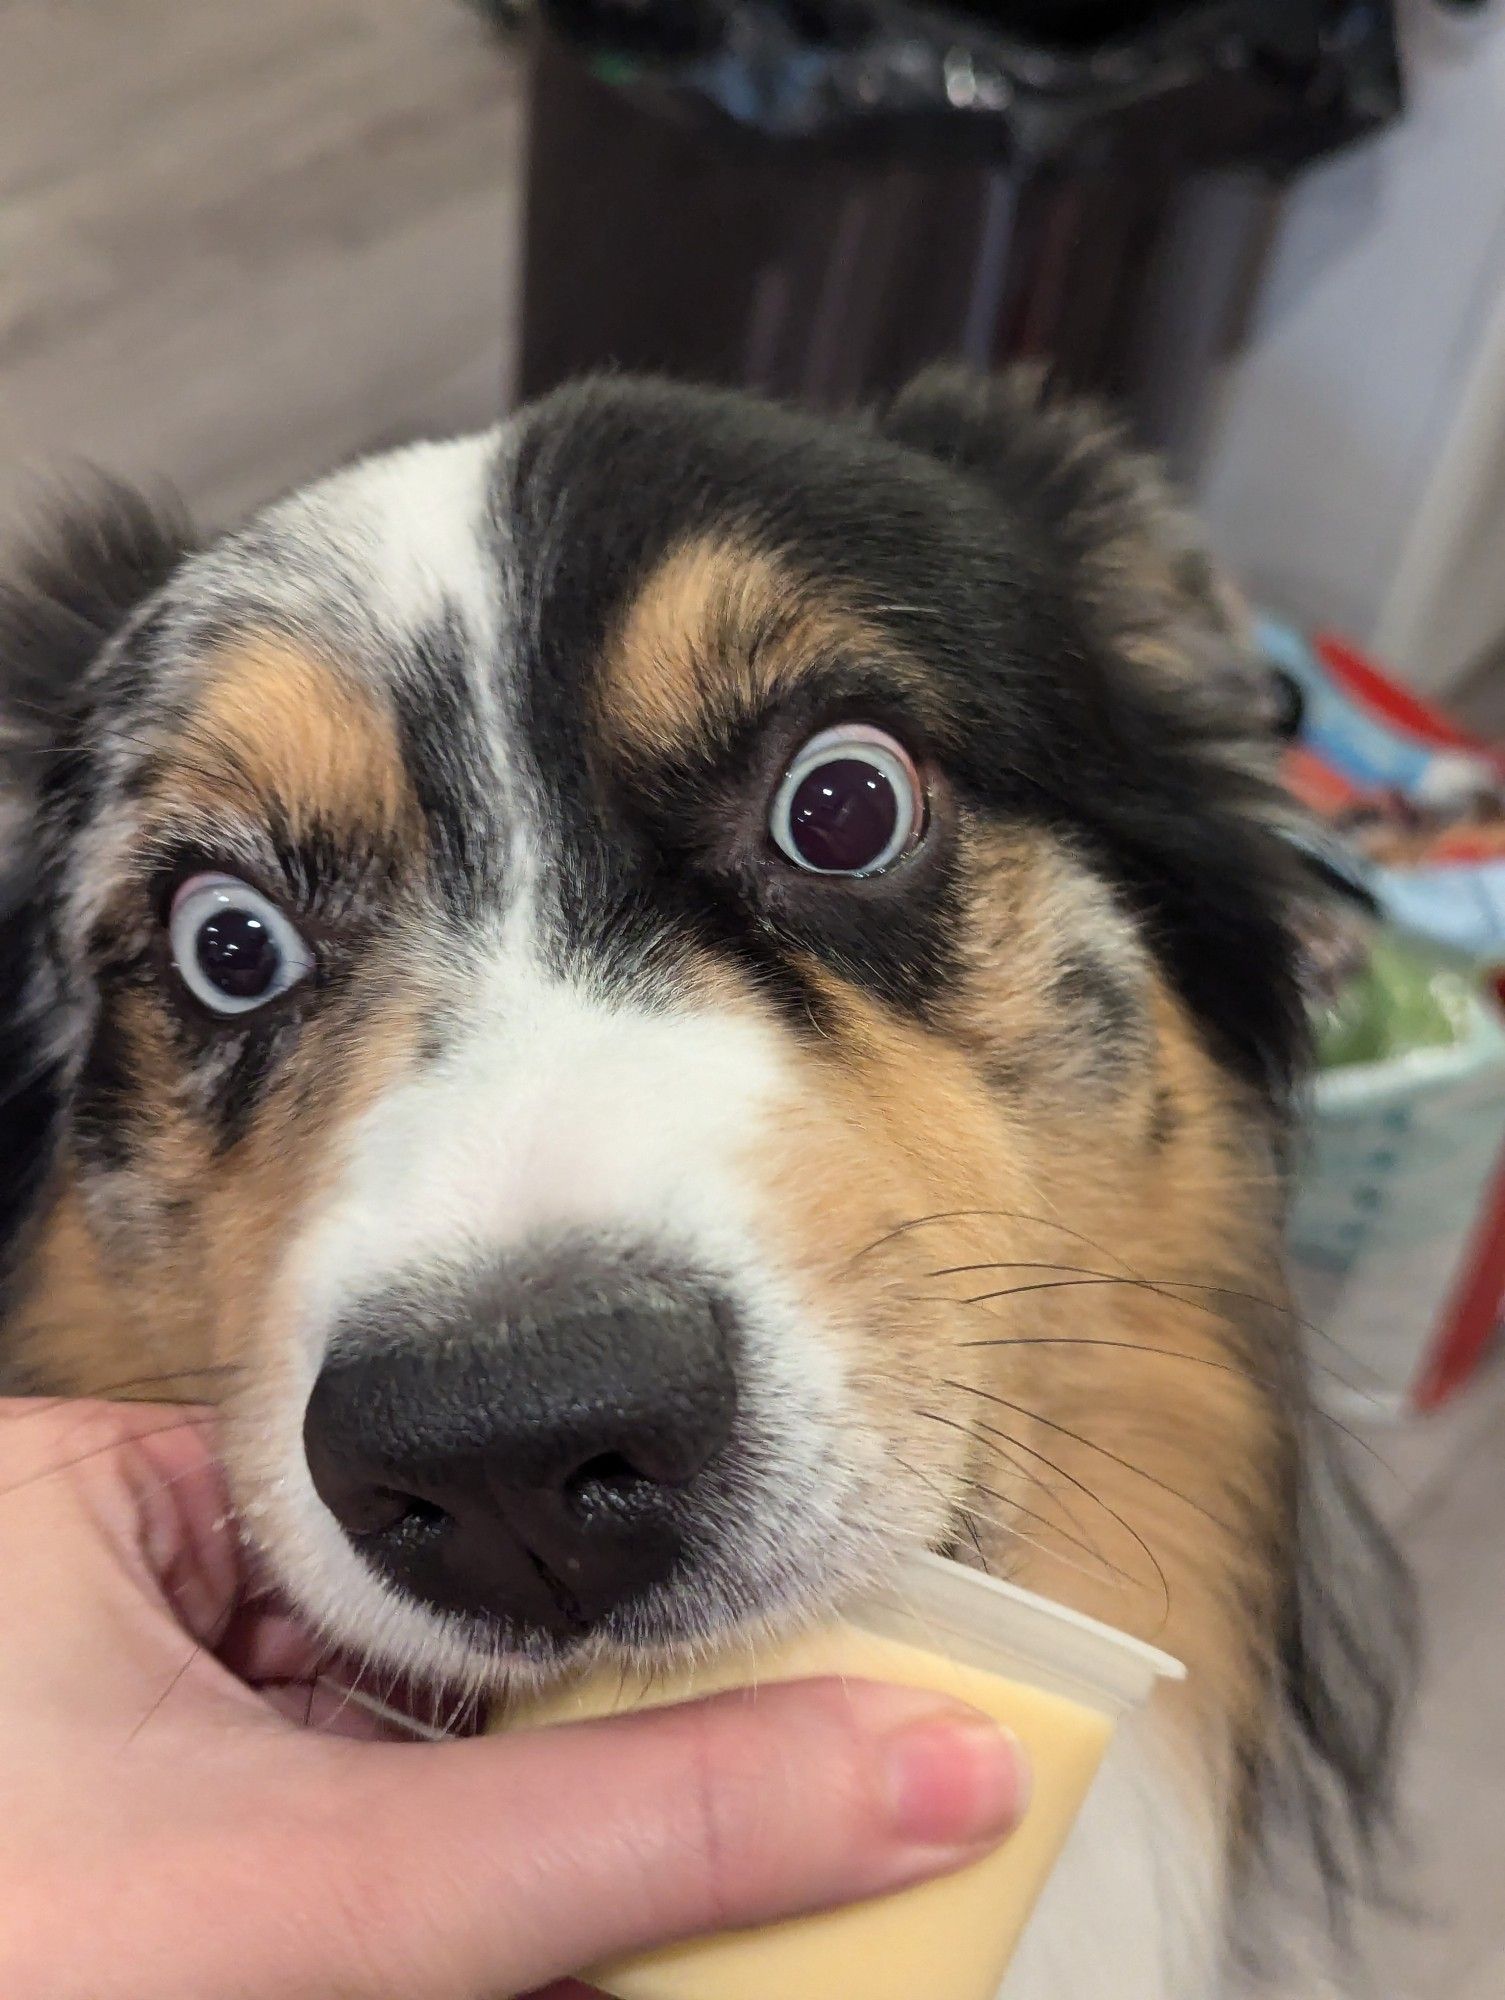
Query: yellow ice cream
{"points": [[949, 1939]]}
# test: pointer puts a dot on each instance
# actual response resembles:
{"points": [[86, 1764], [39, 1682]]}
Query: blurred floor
{"points": [[1440, 1481], [238, 244]]}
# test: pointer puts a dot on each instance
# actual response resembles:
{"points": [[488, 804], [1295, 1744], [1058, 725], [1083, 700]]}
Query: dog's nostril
{"points": [[421, 1513], [384, 1508], [610, 1475]]}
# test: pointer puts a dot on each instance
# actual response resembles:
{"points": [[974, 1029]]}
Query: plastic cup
{"points": [[1059, 1681]]}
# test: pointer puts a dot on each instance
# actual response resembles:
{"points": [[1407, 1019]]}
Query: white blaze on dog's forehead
{"points": [[414, 521], [554, 1110], [390, 548]]}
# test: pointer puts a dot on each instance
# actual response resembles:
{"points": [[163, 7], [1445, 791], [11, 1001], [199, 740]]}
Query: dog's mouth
{"points": [[433, 1607], [585, 1454]]}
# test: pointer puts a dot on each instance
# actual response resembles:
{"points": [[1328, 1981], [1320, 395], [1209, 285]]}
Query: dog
{"points": [[670, 1001]]}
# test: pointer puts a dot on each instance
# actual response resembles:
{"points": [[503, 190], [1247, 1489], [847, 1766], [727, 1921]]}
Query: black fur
{"points": [[1089, 991], [1039, 717], [445, 753], [29, 1073], [67, 595]]}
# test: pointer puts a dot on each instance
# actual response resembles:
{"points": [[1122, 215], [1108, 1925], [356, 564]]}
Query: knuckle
{"points": [[777, 1800], [720, 1788]]}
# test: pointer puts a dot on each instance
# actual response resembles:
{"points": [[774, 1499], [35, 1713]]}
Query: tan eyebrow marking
{"points": [[276, 722], [721, 625]]}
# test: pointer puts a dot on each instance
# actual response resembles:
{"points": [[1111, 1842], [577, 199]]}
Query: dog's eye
{"points": [[233, 949], [851, 803]]}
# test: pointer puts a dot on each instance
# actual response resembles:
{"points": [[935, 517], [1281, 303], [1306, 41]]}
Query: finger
{"points": [[536, 1855], [139, 1478], [116, 1518]]}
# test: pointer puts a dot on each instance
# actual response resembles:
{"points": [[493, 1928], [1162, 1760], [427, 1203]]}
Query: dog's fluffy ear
{"points": [[62, 602], [1155, 603], [71, 590], [1139, 562]]}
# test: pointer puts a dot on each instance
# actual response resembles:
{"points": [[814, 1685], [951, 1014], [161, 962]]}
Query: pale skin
{"points": [[179, 1820]]}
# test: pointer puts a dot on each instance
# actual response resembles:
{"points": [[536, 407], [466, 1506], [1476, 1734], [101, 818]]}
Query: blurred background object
{"points": [[1356, 469], [816, 197], [239, 244]]}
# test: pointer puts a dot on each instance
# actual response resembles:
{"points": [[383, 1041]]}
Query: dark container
{"points": [[816, 197]]}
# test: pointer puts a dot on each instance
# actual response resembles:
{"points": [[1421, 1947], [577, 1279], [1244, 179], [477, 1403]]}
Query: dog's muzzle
{"points": [[532, 1447]]}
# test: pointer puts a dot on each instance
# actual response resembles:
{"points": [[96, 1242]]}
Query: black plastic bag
{"points": [[1039, 83]]}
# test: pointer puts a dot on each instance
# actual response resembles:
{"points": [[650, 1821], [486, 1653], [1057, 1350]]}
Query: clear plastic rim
{"points": [[982, 1622]]}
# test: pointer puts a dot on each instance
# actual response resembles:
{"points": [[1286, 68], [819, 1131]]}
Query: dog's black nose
{"points": [[526, 1449]]}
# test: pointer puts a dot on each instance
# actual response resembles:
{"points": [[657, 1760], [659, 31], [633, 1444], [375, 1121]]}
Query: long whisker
{"points": [[1017, 1444], [1043, 1521], [39, 1405], [1085, 1340], [198, 1422], [1097, 1570], [209, 1647], [970, 1516], [1030, 1476], [162, 1699], [1168, 1288], [1092, 1280], [1006, 1524], [982, 1214], [1285, 1310], [1088, 1444], [953, 1508]]}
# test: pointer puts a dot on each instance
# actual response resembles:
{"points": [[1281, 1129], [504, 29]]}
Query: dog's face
{"points": [[612, 982]]}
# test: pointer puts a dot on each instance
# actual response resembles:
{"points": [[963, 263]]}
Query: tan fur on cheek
{"points": [[893, 1162], [978, 1258], [157, 1281]]}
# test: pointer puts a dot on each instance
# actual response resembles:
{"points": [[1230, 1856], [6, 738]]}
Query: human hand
{"points": [[189, 1812]]}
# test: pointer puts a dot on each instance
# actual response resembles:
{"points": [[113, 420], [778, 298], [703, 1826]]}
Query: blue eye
{"points": [[851, 803], [233, 949]]}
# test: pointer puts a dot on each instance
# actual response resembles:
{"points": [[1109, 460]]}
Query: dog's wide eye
{"points": [[233, 949], [851, 803]]}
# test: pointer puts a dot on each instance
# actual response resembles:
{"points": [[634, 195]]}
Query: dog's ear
{"points": [[1230, 872], [74, 590], [1140, 567]]}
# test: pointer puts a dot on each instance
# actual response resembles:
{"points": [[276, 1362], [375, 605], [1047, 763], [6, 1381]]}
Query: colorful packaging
{"points": [[1397, 1237]]}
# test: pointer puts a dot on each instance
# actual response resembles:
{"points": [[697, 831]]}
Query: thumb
{"points": [[491, 1867]]}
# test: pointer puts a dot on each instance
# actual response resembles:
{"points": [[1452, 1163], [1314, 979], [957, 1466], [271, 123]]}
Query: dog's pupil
{"points": [[237, 953], [844, 814]]}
